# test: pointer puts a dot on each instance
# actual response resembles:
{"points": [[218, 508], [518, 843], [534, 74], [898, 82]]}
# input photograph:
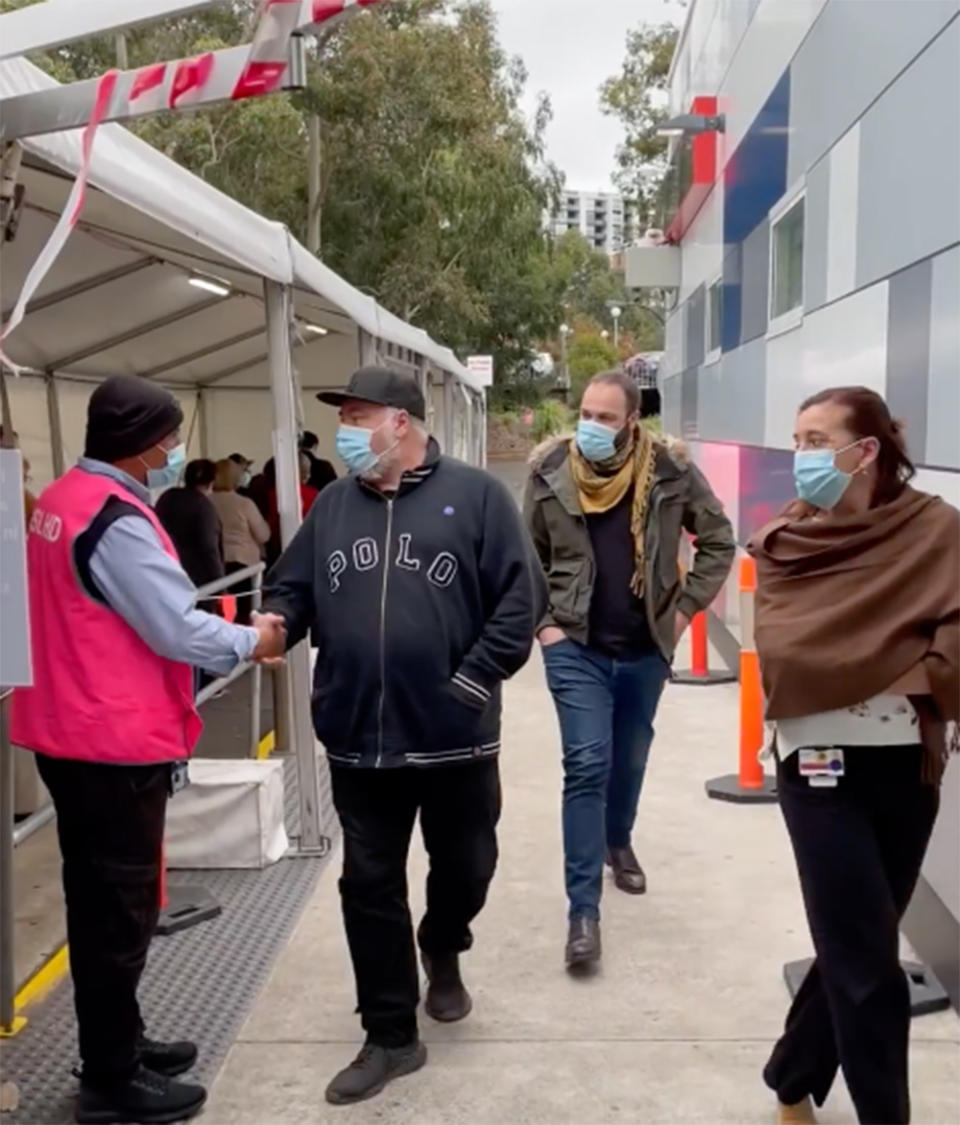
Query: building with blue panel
{"points": [[826, 252]]}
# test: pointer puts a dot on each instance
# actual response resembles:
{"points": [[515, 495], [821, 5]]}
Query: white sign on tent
{"points": [[15, 666], [482, 367]]}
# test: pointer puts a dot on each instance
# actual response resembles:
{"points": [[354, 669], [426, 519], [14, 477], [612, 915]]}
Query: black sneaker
{"points": [[145, 1099], [447, 998], [170, 1059], [372, 1069]]}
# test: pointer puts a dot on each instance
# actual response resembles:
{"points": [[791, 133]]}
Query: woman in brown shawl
{"points": [[858, 632]]}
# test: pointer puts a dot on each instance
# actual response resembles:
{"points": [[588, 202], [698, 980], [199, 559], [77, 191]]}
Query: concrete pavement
{"points": [[674, 1028]]}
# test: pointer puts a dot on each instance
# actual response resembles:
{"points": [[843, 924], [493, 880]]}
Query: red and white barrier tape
{"points": [[68, 217], [261, 74], [267, 60], [324, 10]]}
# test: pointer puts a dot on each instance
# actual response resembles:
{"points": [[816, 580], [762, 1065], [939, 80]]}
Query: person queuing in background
{"points": [[114, 631], [606, 510], [321, 472], [246, 473], [245, 531], [419, 579], [858, 634], [192, 522], [308, 496]]}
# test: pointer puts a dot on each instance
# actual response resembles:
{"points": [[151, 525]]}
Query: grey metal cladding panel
{"points": [[732, 396], [689, 426], [908, 351], [908, 205], [854, 50], [943, 413], [816, 225], [671, 406], [755, 279], [695, 328]]}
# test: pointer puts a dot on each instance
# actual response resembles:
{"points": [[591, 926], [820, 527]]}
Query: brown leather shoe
{"points": [[627, 872], [583, 943], [799, 1114]]}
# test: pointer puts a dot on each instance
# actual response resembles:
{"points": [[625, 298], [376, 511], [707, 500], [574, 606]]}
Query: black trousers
{"points": [[459, 808], [859, 848], [110, 822]]}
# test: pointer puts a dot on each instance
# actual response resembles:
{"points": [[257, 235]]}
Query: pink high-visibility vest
{"points": [[100, 694]]}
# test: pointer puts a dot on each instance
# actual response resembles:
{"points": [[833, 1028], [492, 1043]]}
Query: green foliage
{"points": [[550, 417], [589, 353], [637, 97], [433, 183]]}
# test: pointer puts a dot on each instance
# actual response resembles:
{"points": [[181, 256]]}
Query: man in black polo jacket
{"points": [[421, 583]]}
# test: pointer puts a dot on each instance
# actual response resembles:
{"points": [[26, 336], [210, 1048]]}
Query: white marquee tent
{"points": [[122, 298]]}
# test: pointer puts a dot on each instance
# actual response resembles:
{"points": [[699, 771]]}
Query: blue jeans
{"points": [[606, 709]]}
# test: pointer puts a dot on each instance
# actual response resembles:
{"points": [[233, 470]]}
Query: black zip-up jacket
{"points": [[422, 603]]}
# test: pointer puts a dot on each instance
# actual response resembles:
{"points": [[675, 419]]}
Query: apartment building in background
{"points": [[605, 219]]}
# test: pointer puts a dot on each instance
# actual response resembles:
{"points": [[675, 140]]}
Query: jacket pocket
{"points": [[668, 552], [568, 582]]}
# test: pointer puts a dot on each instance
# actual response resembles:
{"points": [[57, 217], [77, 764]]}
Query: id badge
{"points": [[179, 777], [822, 768]]}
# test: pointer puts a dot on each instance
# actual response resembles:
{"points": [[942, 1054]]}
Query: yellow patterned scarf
{"points": [[600, 491]]}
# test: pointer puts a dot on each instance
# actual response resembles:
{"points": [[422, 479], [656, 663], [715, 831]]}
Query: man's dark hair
{"points": [[239, 459], [200, 473], [309, 441], [631, 392]]}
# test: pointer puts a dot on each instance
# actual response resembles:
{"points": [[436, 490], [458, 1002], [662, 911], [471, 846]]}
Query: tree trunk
{"points": [[314, 184]]}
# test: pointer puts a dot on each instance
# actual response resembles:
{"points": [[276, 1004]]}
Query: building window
{"points": [[786, 265], [714, 333]]}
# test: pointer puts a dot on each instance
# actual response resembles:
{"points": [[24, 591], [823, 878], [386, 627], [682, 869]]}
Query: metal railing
{"points": [[13, 835]]}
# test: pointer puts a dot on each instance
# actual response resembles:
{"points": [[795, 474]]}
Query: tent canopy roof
{"points": [[119, 299]]}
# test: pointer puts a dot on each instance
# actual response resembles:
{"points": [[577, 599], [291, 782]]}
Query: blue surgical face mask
{"points": [[169, 475], [817, 478], [595, 441], [354, 450], [245, 478]]}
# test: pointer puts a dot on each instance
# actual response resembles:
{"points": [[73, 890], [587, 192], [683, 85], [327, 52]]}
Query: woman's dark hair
{"points": [[868, 416], [200, 473], [631, 392], [309, 441]]}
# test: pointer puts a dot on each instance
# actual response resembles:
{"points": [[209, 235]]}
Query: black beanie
{"points": [[127, 416]]}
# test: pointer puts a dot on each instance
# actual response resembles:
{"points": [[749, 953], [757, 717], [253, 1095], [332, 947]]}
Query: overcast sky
{"points": [[570, 47]]}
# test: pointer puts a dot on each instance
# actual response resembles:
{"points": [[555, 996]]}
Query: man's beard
{"points": [[385, 464]]}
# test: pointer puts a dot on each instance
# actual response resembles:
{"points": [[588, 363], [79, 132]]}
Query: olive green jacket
{"points": [[680, 499]]}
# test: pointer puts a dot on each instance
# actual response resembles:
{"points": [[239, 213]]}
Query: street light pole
{"points": [[565, 331], [616, 312]]}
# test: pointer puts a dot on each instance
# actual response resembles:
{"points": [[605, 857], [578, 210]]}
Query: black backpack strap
{"points": [[86, 542]]}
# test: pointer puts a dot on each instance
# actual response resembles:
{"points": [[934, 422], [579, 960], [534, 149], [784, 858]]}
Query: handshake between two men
{"points": [[272, 638]]}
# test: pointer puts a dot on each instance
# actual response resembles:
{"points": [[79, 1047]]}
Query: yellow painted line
{"points": [[40, 985], [267, 745]]}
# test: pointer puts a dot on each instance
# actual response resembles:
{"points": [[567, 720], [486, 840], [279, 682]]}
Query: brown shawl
{"points": [[846, 605]]}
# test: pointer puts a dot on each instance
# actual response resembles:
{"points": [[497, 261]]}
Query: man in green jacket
{"points": [[606, 510]]}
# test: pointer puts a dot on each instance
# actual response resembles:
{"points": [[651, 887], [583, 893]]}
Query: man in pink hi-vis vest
{"points": [[114, 633]]}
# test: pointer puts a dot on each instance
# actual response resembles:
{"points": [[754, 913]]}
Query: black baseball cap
{"points": [[382, 386]]}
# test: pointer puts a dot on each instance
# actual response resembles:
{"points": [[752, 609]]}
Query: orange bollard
{"points": [[699, 658], [750, 785]]}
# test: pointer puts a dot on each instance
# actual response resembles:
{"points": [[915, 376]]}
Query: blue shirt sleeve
{"points": [[153, 594]]}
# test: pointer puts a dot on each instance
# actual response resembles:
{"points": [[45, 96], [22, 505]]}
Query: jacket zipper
{"points": [[383, 632]]}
